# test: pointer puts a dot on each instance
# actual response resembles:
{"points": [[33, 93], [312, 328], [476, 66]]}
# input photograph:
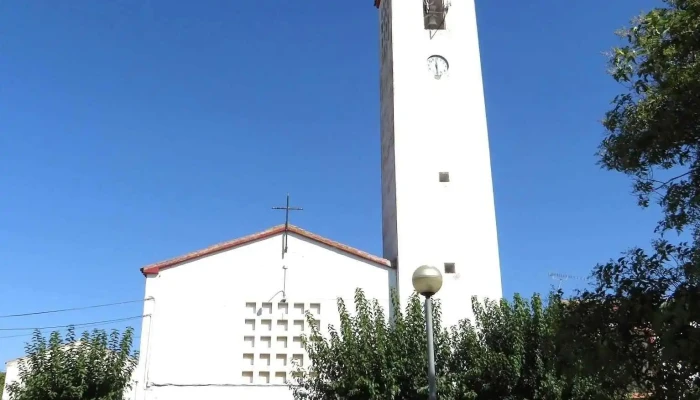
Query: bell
{"points": [[432, 22]]}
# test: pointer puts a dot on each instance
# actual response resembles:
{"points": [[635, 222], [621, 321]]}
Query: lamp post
{"points": [[427, 280]]}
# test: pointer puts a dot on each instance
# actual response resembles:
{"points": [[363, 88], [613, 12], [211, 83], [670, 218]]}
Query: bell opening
{"points": [[434, 12], [432, 22]]}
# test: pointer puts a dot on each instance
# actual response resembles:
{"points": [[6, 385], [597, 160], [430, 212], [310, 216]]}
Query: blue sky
{"points": [[136, 130]]}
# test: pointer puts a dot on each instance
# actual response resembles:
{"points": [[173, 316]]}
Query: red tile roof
{"points": [[154, 269]]}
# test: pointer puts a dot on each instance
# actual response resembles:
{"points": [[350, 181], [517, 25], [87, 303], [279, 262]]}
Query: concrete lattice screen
{"points": [[272, 340]]}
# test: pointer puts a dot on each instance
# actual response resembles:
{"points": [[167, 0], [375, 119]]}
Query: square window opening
{"points": [[450, 268], [444, 177]]}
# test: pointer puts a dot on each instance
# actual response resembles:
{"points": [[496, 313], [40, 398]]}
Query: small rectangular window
{"points": [[450, 268], [444, 177]]}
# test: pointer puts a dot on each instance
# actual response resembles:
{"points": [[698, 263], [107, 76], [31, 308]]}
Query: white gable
{"points": [[219, 329]]}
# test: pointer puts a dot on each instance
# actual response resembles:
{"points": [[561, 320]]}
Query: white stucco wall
{"points": [[430, 126], [11, 375], [197, 343]]}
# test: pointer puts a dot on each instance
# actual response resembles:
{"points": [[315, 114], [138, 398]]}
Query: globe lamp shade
{"points": [[427, 280]]}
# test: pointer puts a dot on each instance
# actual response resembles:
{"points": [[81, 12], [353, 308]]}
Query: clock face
{"points": [[438, 66]]}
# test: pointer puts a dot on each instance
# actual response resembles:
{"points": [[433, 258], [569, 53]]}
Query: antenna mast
{"points": [[564, 277]]}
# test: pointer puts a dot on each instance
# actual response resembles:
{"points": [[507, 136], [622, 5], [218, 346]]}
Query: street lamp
{"points": [[427, 280]]}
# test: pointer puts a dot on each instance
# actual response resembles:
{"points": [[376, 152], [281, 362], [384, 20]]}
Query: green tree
{"points": [[510, 352], [96, 366], [639, 321], [2, 383], [653, 128], [367, 358]]}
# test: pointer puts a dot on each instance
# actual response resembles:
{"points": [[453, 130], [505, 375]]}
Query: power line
{"points": [[87, 324], [31, 334], [72, 309], [74, 325]]}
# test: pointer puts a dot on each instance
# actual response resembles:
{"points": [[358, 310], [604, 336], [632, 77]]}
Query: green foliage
{"points": [[509, 353], [653, 129], [96, 366], [512, 353], [367, 358], [2, 383], [639, 322]]}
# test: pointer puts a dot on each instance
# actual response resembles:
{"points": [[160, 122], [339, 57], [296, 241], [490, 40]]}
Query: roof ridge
{"points": [[155, 268]]}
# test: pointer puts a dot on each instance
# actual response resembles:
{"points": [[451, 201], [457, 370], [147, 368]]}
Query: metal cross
{"points": [[286, 209]]}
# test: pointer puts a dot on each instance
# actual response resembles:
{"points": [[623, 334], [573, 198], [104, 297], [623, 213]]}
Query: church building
{"points": [[226, 321]]}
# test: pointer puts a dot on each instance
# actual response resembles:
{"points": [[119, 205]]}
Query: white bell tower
{"points": [[437, 192]]}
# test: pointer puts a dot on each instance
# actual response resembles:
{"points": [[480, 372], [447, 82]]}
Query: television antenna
{"points": [[564, 277]]}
